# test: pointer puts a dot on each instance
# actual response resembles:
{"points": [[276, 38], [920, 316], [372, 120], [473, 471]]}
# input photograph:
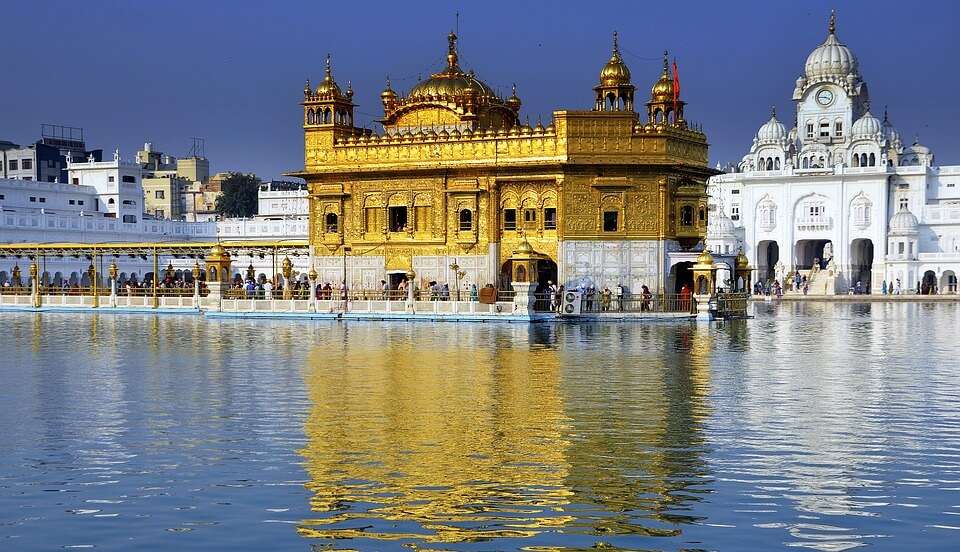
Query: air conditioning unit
{"points": [[571, 303]]}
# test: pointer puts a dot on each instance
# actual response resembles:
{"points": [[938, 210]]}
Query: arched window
{"points": [[702, 215], [873, 160], [776, 163], [856, 160], [686, 215], [823, 162], [769, 163], [806, 163], [311, 117], [332, 221], [466, 220], [110, 201], [863, 160]]}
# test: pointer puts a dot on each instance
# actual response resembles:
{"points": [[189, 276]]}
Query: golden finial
{"points": [[452, 50], [885, 114], [307, 87], [773, 112], [665, 62], [832, 26], [327, 70], [616, 45]]}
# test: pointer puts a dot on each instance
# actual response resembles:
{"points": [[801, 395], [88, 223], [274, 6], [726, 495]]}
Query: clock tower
{"points": [[830, 95]]}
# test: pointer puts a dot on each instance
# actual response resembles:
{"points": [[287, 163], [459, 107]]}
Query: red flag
{"points": [[676, 90]]}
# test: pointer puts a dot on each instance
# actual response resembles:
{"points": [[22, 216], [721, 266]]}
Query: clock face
{"points": [[824, 96]]}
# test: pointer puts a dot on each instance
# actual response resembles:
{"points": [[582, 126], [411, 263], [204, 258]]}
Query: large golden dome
{"points": [[452, 81]]}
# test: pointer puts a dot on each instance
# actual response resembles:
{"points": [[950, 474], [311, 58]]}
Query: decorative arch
{"points": [[766, 213], [861, 211]]}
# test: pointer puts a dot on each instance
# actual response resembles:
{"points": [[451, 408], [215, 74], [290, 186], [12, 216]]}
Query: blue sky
{"points": [[233, 72]]}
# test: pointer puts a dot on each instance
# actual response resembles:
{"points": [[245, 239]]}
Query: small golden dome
{"points": [[328, 85], [742, 262], [524, 248], [388, 93], [705, 258], [218, 251], [615, 72], [662, 90], [513, 102]]}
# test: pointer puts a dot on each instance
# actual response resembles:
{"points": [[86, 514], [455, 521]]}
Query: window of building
{"points": [[398, 219], [72, 202], [76, 181], [27, 164], [159, 213], [130, 179], [824, 130], [79, 202], [158, 194], [686, 215], [332, 223], [2, 197], [814, 211], [129, 202], [509, 219], [900, 248], [33, 199], [904, 203], [110, 201], [734, 212], [550, 218], [529, 215], [466, 220], [43, 200], [610, 221], [12, 164], [910, 248], [809, 130], [110, 179], [838, 129], [734, 192], [129, 218]]}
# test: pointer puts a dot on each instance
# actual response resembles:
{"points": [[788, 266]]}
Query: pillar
{"points": [[112, 272], [34, 285], [312, 281], [411, 292]]}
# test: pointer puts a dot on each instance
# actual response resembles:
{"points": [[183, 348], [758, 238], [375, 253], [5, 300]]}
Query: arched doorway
{"points": [[928, 286], [768, 254], [682, 275], [861, 263], [809, 251], [546, 272], [948, 282]]}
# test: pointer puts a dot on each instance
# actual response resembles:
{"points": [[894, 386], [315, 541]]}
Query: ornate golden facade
{"points": [[456, 175]]}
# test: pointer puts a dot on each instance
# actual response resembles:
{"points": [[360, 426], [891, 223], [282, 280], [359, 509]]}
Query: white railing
{"points": [[813, 223], [263, 228], [70, 225]]}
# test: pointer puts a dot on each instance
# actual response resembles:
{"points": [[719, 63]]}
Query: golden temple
{"points": [[455, 178]]}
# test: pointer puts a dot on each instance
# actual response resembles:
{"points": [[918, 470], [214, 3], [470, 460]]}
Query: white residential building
{"points": [[838, 197]]}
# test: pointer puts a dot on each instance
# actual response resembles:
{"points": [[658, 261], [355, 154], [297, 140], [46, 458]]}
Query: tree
{"points": [[238, 195]]}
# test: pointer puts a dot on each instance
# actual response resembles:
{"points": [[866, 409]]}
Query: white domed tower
{"points": [[830, 96], [770, 145]]}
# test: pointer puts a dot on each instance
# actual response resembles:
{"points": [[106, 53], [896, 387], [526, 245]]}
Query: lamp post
{"points": [[346, 250], [112, 271], [458, 274], [196, 283]]}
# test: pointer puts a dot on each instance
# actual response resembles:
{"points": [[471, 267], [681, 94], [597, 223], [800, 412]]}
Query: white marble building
{"points": [[840, 187]]}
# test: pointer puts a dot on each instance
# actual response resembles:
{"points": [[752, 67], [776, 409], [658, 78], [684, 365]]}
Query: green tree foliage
{"points": [[239, 196]]}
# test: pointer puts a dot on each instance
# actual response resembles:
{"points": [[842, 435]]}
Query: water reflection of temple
{"points": [[414, 436]]}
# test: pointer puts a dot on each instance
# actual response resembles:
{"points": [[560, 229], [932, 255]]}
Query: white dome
{"points": [[904, 222], [866, 126], [772, 131], [831, 59], [889, 132], [720, 226]]}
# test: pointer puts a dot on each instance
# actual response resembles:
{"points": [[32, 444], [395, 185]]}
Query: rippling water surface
{"points": [[817, 426]]}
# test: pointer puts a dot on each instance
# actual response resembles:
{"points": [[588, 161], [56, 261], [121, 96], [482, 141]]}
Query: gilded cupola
{"points": [[665, 107], [328, 105], [450, 99], [615, 92]]}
